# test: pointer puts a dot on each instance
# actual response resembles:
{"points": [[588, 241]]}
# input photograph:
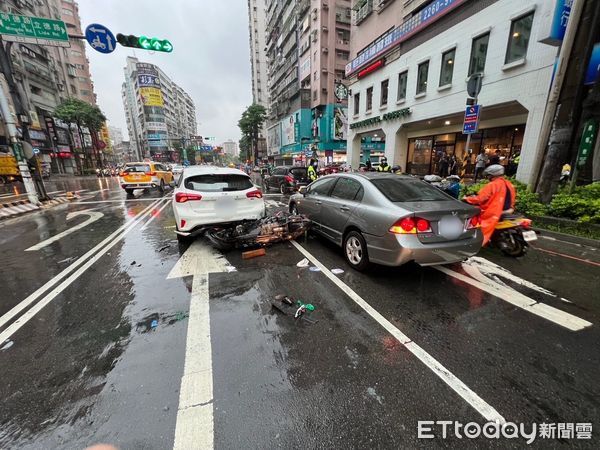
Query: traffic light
{"points": [[145, 43]]}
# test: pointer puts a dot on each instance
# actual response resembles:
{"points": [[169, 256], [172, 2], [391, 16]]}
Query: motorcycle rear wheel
{"points": [[512, 245]]}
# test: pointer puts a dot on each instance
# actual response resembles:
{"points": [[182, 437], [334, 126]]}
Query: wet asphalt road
{"points": [[102, 357]]}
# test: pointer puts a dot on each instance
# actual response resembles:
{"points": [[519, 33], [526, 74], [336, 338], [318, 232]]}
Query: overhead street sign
{"points": [[33, 30], [100, 38], [471, 122]]}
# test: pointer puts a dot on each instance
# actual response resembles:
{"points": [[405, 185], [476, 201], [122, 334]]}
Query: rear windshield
{"points": [[218, 183], [299, 173], [399, 190], [137, 168]]}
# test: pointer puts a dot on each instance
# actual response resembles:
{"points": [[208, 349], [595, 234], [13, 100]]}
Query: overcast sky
{"points": [[210, 58]]}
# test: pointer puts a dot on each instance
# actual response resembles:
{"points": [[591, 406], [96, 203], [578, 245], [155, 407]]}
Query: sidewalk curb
{"points": [[588, 242], [13, 209]]}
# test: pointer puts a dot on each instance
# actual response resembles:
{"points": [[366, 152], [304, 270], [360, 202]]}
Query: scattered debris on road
{"points": [[337, 271], [7, 345], [314, 269], [254, 253], [163, 248], [288, 307], [304, 263]]}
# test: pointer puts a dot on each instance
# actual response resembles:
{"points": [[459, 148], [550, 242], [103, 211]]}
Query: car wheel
{"points": [[294, 209], [283, 189], [355, 251], [129, 191]]}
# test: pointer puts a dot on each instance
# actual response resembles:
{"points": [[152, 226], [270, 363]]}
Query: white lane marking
{"points": [[30, 313], [195, 415], [275, 203], [120, 201], [93, 216], [515, 298], [155, 214], [65, 272], [483, 270], [480, 405]]}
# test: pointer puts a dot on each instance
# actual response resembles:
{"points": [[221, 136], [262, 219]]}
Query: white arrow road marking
{"points": [[94, 215], [479, 404], [477, 269], [195, 423]]}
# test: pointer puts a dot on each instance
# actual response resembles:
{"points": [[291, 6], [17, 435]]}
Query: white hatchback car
{"points": [[207, 195]]}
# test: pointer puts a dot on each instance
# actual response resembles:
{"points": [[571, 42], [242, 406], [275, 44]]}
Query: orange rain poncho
{"points": [[491, 199]]}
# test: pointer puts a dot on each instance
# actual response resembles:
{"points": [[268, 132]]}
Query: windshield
{"points": [[218, 183], [402, 190]]}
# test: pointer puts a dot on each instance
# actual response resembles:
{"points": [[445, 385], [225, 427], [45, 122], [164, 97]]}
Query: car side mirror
{"points": [[303, 190]]}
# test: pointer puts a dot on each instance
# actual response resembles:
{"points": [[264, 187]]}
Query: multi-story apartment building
{"points": [[408, 80], [48, 75], [307, 48], [230, 148], [258, 56], [158, 111]]}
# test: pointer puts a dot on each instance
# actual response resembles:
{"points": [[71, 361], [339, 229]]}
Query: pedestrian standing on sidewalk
{"points": [[480, 163]]}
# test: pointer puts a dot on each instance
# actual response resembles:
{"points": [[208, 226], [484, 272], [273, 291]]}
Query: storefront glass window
{"points": [[419, 156], [478, 54], [447, 67], [518, 40]]}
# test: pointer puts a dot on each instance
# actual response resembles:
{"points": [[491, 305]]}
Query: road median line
{"points": [[480, 405]]}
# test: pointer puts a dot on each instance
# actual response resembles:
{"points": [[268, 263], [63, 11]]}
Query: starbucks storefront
{"points": [[426, 152]]}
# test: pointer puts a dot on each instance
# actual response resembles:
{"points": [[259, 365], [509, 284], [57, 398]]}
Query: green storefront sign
{"points": [[33, 30], [587, 142]]}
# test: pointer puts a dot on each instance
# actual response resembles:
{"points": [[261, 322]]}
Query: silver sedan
{"points": [[389, 219]]}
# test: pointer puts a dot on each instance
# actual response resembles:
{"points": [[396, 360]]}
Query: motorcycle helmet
{"points": [[495, 170], [453, 177], [396, 169]]}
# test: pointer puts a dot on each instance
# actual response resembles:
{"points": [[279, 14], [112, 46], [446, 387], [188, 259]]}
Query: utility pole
{"points": [[35, 180]]}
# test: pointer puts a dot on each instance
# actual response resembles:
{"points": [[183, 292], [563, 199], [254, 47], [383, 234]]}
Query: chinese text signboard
{"points": [[33, 30]]}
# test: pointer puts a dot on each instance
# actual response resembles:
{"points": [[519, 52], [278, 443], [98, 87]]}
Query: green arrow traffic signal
{"points": [[145, 43]]}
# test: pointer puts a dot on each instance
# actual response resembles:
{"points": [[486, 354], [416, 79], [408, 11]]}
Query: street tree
{"points": [[251, 123], [77, 112]]}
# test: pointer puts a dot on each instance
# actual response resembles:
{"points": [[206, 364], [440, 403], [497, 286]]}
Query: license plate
{"points": [[529, 236]]}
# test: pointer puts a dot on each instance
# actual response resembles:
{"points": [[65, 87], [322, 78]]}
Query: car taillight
{"points": [[474, 222], [122, 174], [408, 225], [423, 226], [254, 194], [288, 178], [152, 174], [182, 197]]}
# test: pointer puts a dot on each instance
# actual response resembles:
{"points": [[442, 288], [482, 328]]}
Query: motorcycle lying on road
{"points": [[512, 235], [276, 228]]}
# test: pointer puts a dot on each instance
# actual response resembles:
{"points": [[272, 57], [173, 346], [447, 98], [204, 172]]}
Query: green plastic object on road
{"points": [[308, 306]]}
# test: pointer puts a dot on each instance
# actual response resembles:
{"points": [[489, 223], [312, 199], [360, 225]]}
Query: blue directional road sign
{"points": [[471, 122], [100, 38]]}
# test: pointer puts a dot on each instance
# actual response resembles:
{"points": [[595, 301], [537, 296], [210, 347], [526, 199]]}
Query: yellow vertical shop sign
{"points": [[151, 96]]}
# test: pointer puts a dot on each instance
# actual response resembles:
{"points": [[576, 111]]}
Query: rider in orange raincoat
{"points": [[495, 198]]}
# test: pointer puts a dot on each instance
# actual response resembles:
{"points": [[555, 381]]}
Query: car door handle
{"points": [[344, 208]]}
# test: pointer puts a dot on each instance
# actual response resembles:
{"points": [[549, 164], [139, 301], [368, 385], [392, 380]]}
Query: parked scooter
{"points": [[512, 235]]}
